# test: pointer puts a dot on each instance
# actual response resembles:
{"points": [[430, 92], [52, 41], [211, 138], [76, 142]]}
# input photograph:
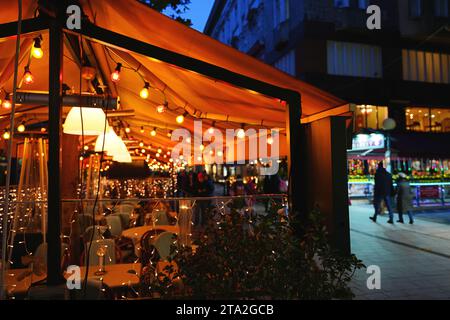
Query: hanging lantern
{"points": [[93, 121]]}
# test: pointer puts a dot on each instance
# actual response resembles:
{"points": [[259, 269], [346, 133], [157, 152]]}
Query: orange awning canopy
{"points": [[224, 105]]}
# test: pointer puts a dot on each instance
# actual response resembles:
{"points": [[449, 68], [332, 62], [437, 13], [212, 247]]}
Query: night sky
{"points": [[198, 12]]}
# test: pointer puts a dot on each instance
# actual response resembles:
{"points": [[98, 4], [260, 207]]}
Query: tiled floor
{"points": [[414, 259]]}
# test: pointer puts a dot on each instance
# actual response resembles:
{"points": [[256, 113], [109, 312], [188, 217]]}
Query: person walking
{"points": [[404, 199], [383, 190]]}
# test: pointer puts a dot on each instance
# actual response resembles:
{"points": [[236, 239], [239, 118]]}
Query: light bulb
{"points": [[169, 134], [211, 130], [144, 93], [142, 129], [180, 119], [141, 144], [127, 129], [241, 133], [36, 51], [21, 128], [219, 153], [159, 150], [115, 76], [43, 129], [161, 108], [153, 132], [6, 103], [86, 148], [6, 135], [202, 147], [270, 140], [28, 77]]}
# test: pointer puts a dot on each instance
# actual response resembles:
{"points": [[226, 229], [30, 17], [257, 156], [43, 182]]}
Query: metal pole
{"points": [[54, 275]]}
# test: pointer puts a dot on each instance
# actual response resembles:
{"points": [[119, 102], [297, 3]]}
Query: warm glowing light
{"points": [[6, 135], [142, 130], [240, 133], [28, 77], [157, 155], [211, 130], [115, 76], [270, 140], [144, 93], [199, 158], [93, 121], [143, 151], [161, 108], [219, 153], [21, 128], [128, 129], [169, 134], [153, 132], [36, 51], [43, 129], [159, 150], [202, 147], [180, 119], [188, 140], [141, 144], [86, 148], [6, 103]]}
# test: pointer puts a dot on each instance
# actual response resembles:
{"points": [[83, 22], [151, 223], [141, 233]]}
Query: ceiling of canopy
{"points": [[217, 103]]}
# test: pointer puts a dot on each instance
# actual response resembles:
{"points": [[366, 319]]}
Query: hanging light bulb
{"points": [[142, 129], [219, 153], [128, 129], [270, 140], [6, 104], [141, 144], [36, 51], [241, 133], [43, 130], [93, 121], [202, 147], [169, 134], [115, 76], [21, 127], [153, 132], [180, 118], [6, 135], [162, 107], [28, 77], [144, 93], [159, 150]]}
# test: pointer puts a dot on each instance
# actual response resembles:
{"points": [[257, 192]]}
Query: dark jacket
{"points": [[404, 198], [383, 183]]}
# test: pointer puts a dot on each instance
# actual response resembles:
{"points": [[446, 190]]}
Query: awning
{"points": [[220, 103]]}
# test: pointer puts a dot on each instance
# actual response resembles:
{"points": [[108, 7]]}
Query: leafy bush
{"points": [[243, 257]]}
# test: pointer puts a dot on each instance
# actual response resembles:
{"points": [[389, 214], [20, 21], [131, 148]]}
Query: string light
{"points": [[180, 118], [169, 134], [43, 129], [162, 107], [36, 51], [159, 150], [6, 104], [28, 77], [241, 133], [153, 132], [141, 144], [21, 127], [270, 140], [128, 129], [6, 135], [142, 129], [144, 93], [115, 76]]}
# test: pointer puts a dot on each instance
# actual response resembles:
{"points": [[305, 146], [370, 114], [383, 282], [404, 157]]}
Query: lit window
{"points": [[354, 59], [425, 119], [368, 116], [424, 66]]}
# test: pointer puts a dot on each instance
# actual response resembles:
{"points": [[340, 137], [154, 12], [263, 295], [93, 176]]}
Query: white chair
{"points": [[163, 244]]}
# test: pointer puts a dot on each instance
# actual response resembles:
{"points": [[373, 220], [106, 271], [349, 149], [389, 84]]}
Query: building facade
{"points": [[401, 71]]}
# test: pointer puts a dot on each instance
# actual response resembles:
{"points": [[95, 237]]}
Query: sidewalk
{"points": [[414, 259]]}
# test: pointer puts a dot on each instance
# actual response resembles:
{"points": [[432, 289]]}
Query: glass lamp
{"points": [[93, 121]]}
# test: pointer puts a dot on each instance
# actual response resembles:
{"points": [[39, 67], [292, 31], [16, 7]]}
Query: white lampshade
{"points": [[120, 152], [112, 142], [93, 121]]}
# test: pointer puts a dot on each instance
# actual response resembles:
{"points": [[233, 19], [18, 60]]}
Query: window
{"points": [[363, 4], [368, 116], [425, 119], [424, 66], [280, 12], [287, 63], [415, 8], [441, 8], [353, 59], [342, 3]]}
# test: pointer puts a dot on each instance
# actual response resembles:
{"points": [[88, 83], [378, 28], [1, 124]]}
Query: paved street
{"points": [[414, 259]]}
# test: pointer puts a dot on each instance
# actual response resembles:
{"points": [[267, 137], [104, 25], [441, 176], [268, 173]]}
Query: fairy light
{"points": [[6, 104], [28, 77], [142, 130], [115, 75], [153, 132], [141, 144], [128, 129], [144, 93], [180, 118], [21, 127], [36, 51], [161, 108], [6, 135]]}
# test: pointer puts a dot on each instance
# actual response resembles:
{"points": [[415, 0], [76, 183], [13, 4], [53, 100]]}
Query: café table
{"points": [[116, 276], [18, 281]]}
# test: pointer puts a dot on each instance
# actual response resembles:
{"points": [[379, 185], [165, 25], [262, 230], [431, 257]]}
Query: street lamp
{"points": [[388, 125]]}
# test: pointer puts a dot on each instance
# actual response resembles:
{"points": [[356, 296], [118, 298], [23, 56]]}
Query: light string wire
{"points": [[9, 154]]}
